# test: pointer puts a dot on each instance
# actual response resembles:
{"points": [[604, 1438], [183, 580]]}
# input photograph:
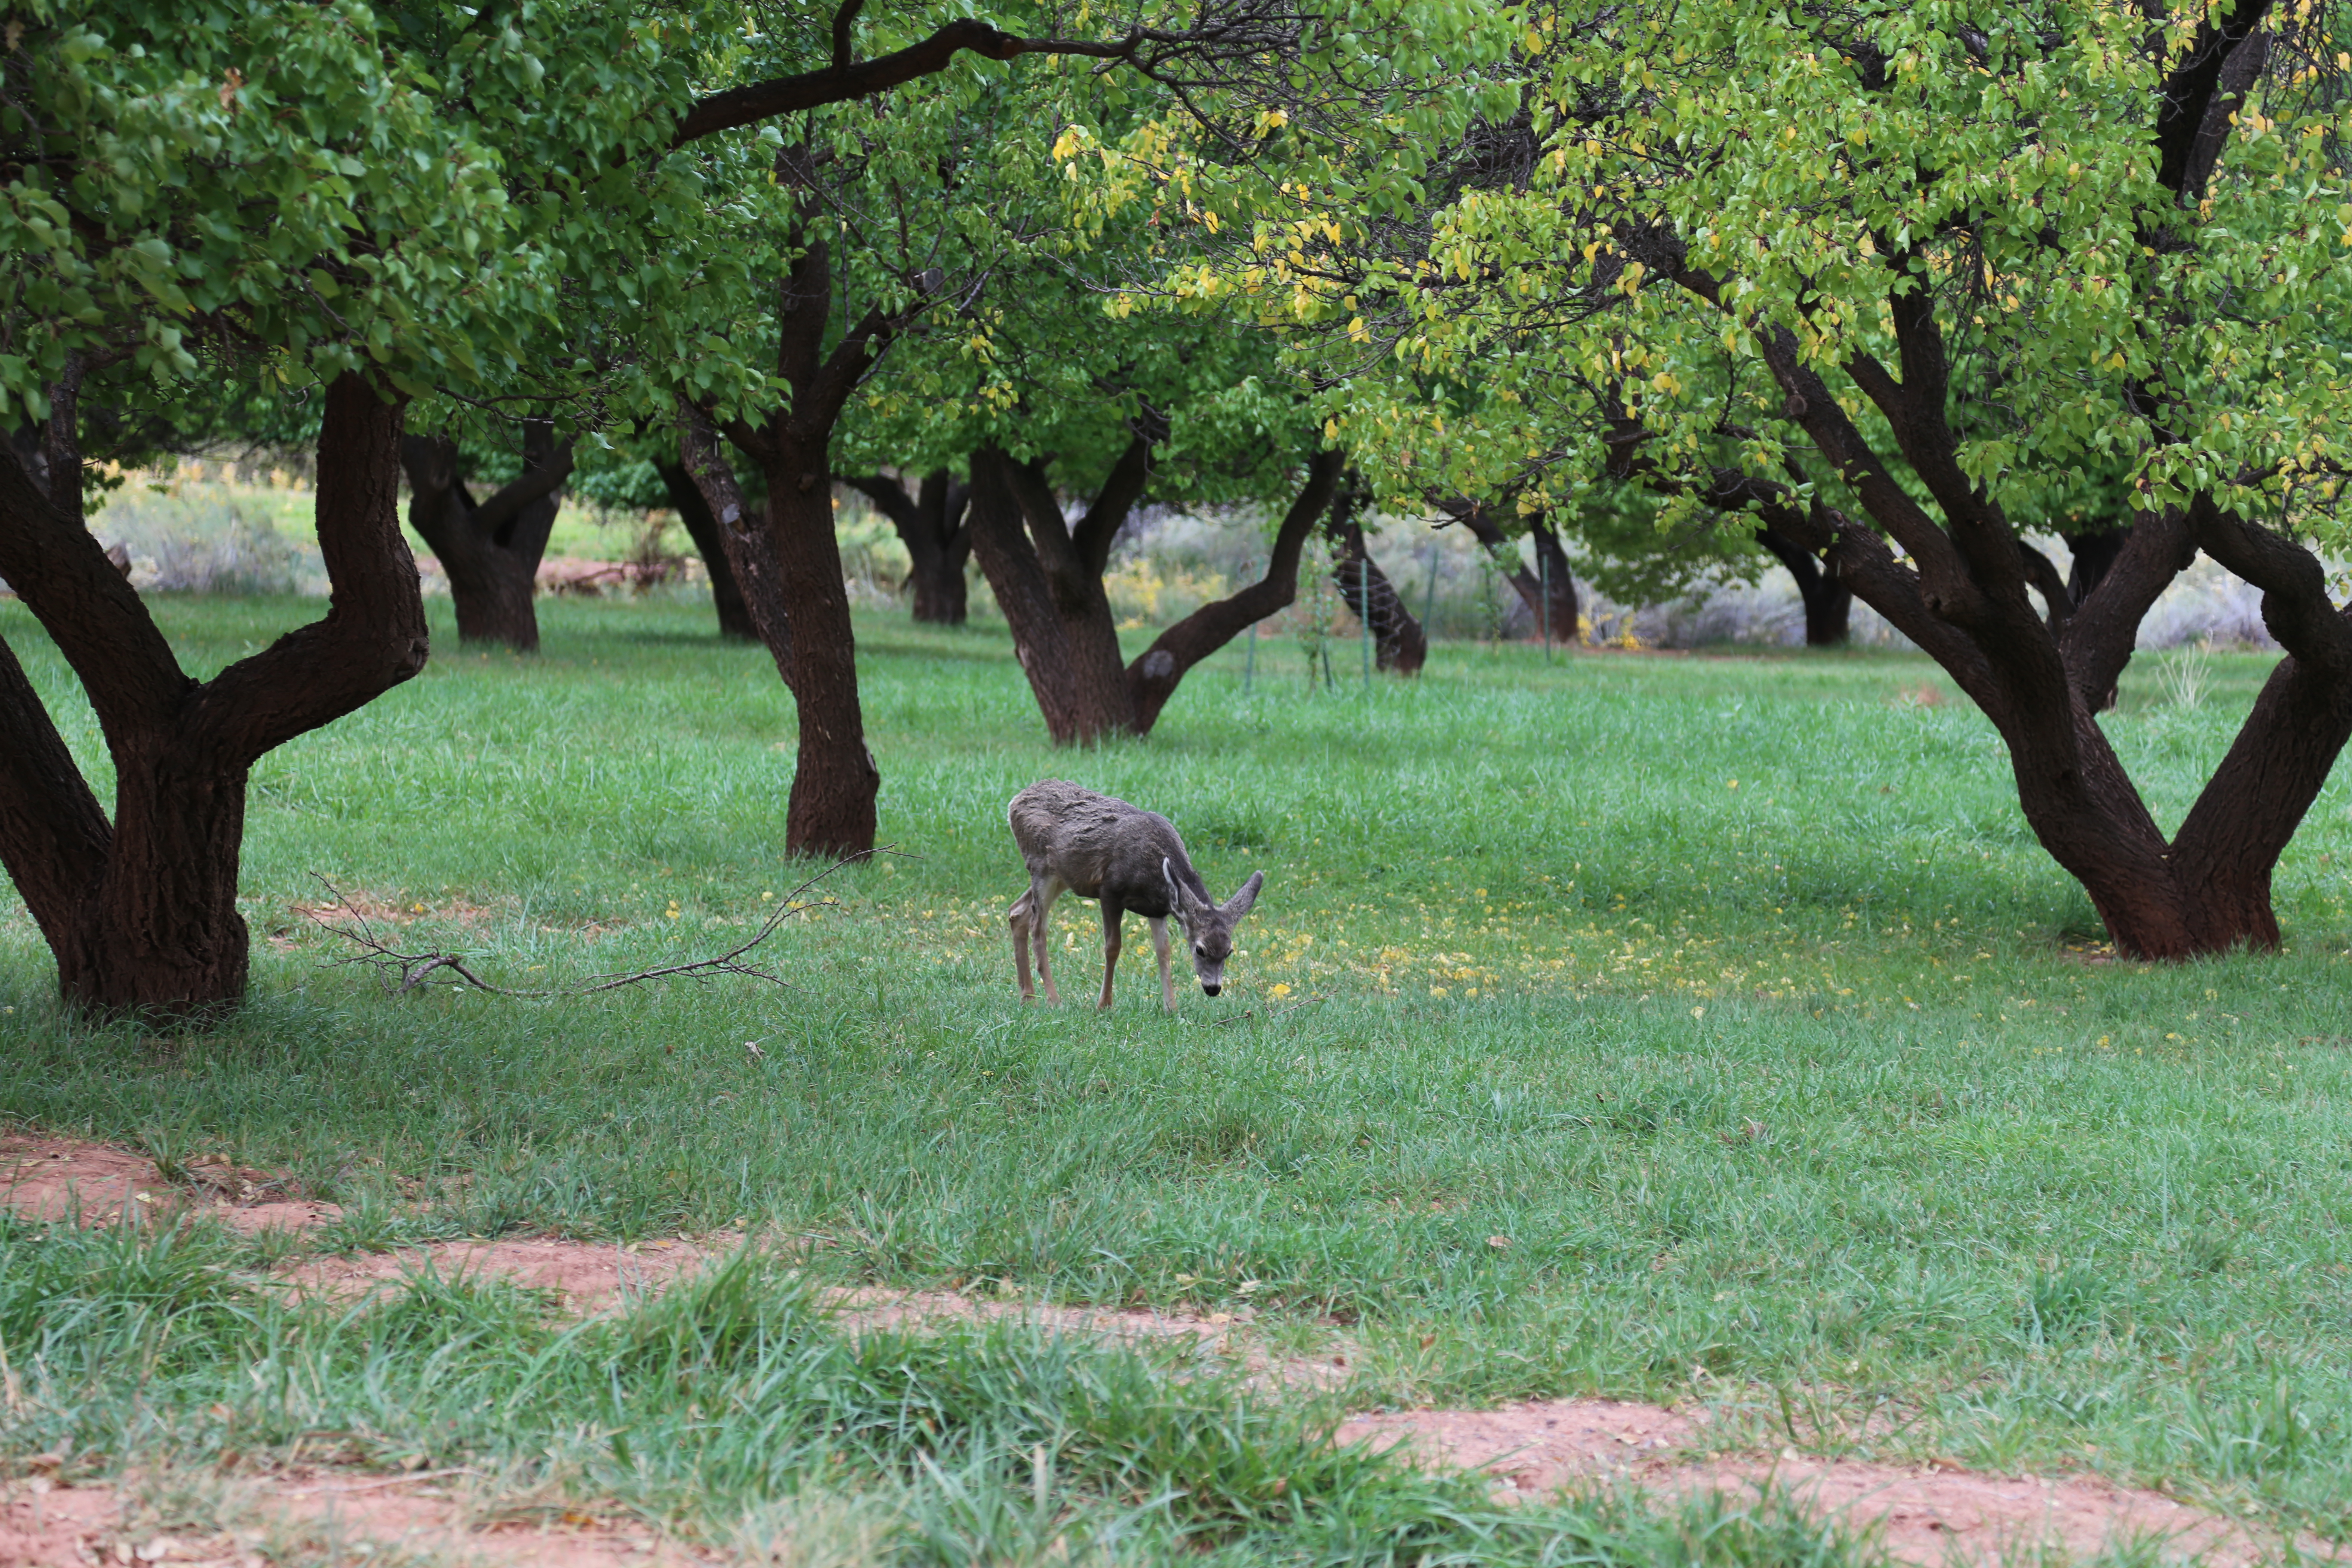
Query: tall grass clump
{"points": [[732, 1407]]}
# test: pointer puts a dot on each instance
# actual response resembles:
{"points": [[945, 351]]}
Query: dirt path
{"points": [[253, 1524], [60, 1178], [1929, 1514], [1932, 1513]]}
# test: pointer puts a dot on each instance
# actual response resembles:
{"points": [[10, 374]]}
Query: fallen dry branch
{"points": [[405, 972]]}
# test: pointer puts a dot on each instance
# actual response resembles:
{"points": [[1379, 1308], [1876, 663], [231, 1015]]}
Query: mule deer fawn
{"points": [[1077, 841]]}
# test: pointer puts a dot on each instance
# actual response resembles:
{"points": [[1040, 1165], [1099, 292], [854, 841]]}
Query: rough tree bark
{"points": [[1565, 611], [489, 550], [141, 911], [2096, 555], [1048, 573], [933, 525], [834, 782], [1398, 642], [1047, 578], [702, 526], [1829, 603]]}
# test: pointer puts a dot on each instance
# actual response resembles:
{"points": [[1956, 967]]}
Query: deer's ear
{"points": [[1239, 904], [1176, 904]]}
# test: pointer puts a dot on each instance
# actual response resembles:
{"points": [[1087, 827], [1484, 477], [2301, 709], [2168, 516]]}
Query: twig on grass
{"points": [[402, 972]]}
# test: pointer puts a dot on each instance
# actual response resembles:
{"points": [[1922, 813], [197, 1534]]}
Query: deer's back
{"points": [[1097, 846]]}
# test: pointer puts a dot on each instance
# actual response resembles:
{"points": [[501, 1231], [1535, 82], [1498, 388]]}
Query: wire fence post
{"points": [[1543, 602], [1249, 661], [1364, 588]]}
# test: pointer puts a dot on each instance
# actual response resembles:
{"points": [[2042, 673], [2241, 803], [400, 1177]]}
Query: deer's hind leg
{"points": [[1018, 918]]}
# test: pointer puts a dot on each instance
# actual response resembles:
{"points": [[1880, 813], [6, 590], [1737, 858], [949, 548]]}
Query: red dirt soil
{"points": [[1930, 1514], [1934, 1513], [585, 1276], [46, 1525], [59, 1178]]}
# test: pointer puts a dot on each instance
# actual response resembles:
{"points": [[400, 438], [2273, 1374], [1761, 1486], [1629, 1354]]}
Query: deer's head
{"points": [[1208, 928]]}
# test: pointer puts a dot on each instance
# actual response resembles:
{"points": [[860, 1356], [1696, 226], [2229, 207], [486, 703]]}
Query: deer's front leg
{"points": [[1112, 914], [1160, 949]]}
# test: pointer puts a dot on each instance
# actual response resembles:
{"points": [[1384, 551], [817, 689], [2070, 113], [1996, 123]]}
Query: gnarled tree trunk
{"points": [[1047, 577], [932, 526], [490, 551], [141, 912], [1398, 643]]}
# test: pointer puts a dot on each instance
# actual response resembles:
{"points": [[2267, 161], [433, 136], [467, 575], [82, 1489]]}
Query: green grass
{"points": [[1555, 1062]]}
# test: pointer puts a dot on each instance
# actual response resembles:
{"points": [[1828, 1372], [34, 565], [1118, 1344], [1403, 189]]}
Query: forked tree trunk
{"points": [[141, 912], [1398, 643], [1552, 580], [490, 551], [1047, 577], [703, 527], [931, 524], [1152, 679], [2040, 679], [1829, 603]]}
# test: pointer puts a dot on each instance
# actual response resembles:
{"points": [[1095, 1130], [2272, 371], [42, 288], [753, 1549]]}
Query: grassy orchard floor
{"points": [[1645, 1026]]}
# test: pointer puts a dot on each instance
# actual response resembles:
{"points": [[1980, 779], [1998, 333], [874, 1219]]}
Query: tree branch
{"points": [[1123, 486], [1153, 678], [888, 494], [535, 484], [373, 635], [2296, 606], [844, 19], [54, 836], [2099, 637], [402, 972], [841, 81], [2189, 94], [1946, 586], [88, 609]]}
